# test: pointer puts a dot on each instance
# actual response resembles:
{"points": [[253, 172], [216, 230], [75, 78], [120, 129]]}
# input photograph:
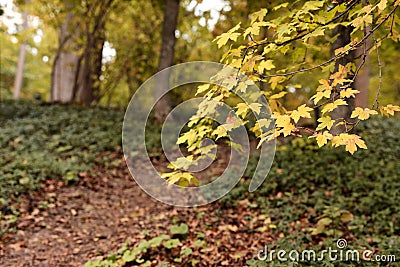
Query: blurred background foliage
{"points": [[132, 45]]}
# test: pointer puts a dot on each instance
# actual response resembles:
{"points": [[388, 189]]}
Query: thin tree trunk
{"points": [[92, 61], [342, 113], [166, 58], [65, 64], [19, 76], [89, 81]]}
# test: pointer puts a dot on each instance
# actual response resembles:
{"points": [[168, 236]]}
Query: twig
{"points": [[376, 102]]}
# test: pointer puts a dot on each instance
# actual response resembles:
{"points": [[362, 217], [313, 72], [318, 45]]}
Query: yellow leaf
{"points": [[202, 88], [331, 106], [172, 177], [274, 81], [225, 37], [256, 107], [230, 35], [313, 5], [302, 111], [325, 122], [382, 4], [323, 91], [389, 110], [278, 95], [319, 95], [339, 77], [324, 85], [356, 22], [348, 93], [260, 124], [351, 147], [259, 15], [322, 139], [182, 163], [350, 141], [265, 65], [362, 114], [282, 120], [281, 6], [287, 130], [249, 65], [188, 137], [242, 109], [220, 132], [254, 29]]}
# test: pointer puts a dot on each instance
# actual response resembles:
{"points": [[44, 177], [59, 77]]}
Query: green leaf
{"points": [[24, 181], [179, 230], [186, 251], [156, 241], [172, 243], [200, 243]]}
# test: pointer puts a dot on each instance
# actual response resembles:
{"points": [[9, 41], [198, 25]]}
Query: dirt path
{"points": [[69, 225]]}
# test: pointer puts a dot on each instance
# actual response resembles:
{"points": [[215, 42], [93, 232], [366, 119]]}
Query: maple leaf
{"points": [[274, 81], [323, 91], [319, 95], [339, 77], [350, 141], [287, 130], [325, 122], [182, 163], [348, 93], [362, 114], [256, 107], [202, 88], [325, 85], [254, 29], [188, 137], [282, 120], [389, 110], [242, 109], [382, 4], [322, 139], [265, 65], [230, 35], [263, 123], [225, 37], [278, 95], [331, 106], [220, 132], [302, 111], [259, 15]]}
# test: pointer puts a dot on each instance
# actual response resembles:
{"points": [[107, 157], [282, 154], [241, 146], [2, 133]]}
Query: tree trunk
{"points": [[89, 82], [65, 66], [361, 82], [341, 113], [77, 76], [19, 76], [168, 39], [89, 79]]}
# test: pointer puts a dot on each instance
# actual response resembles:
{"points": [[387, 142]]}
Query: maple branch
{"points": [[353, 3], [339, 55]]}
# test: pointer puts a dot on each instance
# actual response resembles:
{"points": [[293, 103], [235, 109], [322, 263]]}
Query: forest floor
{"points": [[69, 225], [68, 199]]}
